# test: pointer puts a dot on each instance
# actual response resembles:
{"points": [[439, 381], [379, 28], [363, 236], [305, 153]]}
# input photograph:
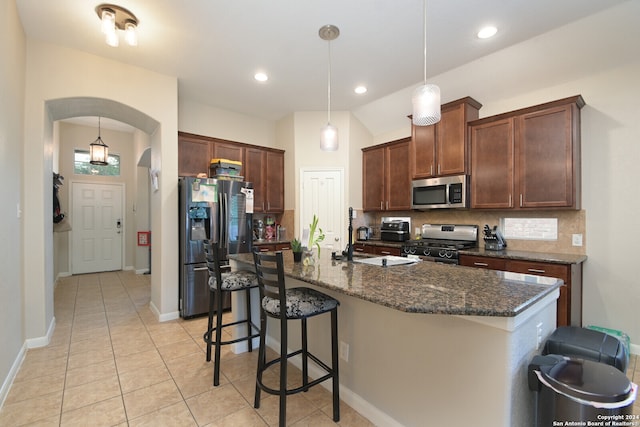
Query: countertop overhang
{"points": [[423, 287]]}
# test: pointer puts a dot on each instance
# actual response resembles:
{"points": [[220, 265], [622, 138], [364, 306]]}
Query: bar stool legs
{"points": [[284, 305]]}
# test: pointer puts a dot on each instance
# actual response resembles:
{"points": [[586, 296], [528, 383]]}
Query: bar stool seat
{"points": [[284, 304], [230, 281]]}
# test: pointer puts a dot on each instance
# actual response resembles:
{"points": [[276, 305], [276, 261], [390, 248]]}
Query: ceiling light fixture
{"points": [[487, 32], [426, 98], [329, 133], [114, 18], [360, 90], [261, 77], [98, 150]]}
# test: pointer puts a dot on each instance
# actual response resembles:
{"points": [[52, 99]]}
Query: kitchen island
{"points": [[427, 343]]}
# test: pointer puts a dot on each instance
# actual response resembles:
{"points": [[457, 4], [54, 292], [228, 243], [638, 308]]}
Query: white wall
{"points": [[12, 81], [54, 73], [200, 119], [575, 59]]}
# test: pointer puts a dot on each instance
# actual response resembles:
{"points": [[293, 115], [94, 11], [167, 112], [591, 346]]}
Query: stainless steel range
{"points": [[441, 242]]}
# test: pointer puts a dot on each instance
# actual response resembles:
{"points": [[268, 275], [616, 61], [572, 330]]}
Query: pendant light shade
{"points": [[426, 105], [329, 138], [329, 133], [98, 150], [426, 98]]}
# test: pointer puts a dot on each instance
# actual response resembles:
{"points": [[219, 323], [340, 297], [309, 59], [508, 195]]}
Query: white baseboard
{"points": [[142, 271], [42, 341], [363, 407], [163, 317], [15, 367], [634, 349]]}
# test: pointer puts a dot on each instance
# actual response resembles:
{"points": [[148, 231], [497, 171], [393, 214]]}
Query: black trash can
{"points": [[583, 343], [571, 390]]}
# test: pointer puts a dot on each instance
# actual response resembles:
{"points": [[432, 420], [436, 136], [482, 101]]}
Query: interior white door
{"points": [[98, 227], [321, 193]]}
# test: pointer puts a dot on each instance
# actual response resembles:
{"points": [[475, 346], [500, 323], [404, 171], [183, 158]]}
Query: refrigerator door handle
{"points": [[226, 221], [200, 268]]}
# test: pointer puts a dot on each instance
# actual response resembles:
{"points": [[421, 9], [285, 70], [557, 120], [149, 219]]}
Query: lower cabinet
{"points": [[376, 249], [272, 247], [569, 309]]}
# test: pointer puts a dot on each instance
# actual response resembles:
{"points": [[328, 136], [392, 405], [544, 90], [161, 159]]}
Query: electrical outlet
{"points": [[576, 239], [344, 351], [538, 335]]}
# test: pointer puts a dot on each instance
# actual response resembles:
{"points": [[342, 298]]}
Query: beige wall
{"points": [[55, 73], [12, 81]]}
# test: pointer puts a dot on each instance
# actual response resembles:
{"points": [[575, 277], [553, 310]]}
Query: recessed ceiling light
{"points": [[487, 32], [261, 77], [360, 90]]}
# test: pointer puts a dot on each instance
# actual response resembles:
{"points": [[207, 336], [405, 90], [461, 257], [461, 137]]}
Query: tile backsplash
{"points": [[570, 222]]}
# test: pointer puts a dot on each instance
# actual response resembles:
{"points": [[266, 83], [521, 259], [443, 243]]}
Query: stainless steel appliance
{"points": [[439, 193], [364, 233], [395, 231], [213, 209], [441, 242]]}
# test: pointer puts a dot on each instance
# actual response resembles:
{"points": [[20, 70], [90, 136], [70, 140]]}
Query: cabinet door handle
{"points": [[359, 249], [520, 199], [438, 168], [431, 170], [481, 264], [264, 249], [535, 270], [510, 200], [385, 253], [387, 205], [381, 205]]}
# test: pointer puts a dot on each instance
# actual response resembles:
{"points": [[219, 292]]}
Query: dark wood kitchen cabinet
{"points": [[442, 149], [365, 248], [569, 304], [194, 155], [386, 180], [262, 166], [527, 159]]}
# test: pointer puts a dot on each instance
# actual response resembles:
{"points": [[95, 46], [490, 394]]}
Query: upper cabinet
{"points": [[528, 158], [194, 155], [442, 149], [386, 181], [262, 166]]}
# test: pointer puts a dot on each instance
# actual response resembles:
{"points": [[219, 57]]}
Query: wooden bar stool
{"points": [[229, 282], [298, 303]]}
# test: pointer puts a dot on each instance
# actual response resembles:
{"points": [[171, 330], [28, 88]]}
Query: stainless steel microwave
{"points": [[438, 193]]}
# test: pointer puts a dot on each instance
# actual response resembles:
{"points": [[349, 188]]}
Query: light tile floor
{"points": [[111, 363]]}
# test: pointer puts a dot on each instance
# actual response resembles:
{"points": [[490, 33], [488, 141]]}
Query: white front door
{"points": [[321, 193], [98, 227]]}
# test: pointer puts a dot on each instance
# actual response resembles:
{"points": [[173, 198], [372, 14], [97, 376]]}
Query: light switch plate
{"points": [[576, 239]]}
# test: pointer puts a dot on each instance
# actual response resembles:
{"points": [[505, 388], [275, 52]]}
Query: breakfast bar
{"points": [[404, 329]]}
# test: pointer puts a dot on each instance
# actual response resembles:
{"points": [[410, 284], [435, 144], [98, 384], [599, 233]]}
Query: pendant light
{"points": [[426, 98], [98, 150], [329, 133]]}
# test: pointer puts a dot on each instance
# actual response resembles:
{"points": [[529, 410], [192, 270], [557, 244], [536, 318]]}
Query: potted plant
{"points": [[296, 247], [316, 235]]}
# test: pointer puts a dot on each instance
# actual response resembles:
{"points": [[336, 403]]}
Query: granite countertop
{"points": [[528, 256], [423, 287], [378, 242]]}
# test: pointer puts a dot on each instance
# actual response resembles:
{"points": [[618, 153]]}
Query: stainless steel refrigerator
{"points": [[215, 209]]}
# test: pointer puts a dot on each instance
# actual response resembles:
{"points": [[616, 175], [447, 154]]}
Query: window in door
{"points": [[81, 165]]}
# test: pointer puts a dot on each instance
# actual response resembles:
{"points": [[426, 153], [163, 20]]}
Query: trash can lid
{"points": [[588, 380]]}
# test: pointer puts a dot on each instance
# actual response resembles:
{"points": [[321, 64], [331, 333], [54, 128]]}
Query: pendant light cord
{"points": [[425, 40], [329, 84]]}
